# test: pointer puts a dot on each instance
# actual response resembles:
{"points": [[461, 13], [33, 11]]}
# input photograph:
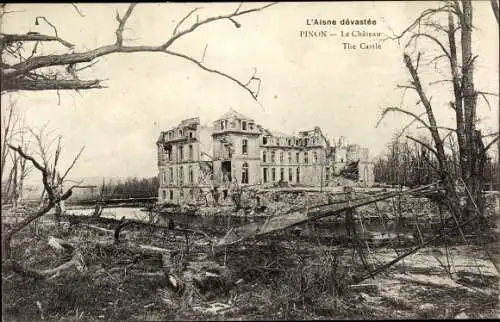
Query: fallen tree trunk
{"points": [[104, 230], [76, 261], [85, 220], [60, 246], [414, 250], [297, 217]]}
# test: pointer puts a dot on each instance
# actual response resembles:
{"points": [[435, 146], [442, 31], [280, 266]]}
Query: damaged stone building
{"points": [[235, 150]]}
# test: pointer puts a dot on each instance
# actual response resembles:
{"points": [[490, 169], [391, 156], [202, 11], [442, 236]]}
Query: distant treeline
{"points": [[410, 164], [132, 188]]}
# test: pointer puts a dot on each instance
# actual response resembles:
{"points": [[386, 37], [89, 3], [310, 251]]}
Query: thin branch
{"points": [[72, 163], [87, 66], [407, 126], [397, 109], [490, 134], [204, 53], [440, 81], [42, 169], [184, 19], [48, 22], [437, 41], [406, 86], [489, 145], [77, 10], [199, 64], [122, 22], [418, 21], [427, 146]]}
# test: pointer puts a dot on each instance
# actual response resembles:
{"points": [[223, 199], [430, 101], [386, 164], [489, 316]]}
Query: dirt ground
{"points": [[281, 277]]}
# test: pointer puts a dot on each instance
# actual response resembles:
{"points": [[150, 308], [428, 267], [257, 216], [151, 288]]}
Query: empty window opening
{"points": [[244, 173], [244, 146]]}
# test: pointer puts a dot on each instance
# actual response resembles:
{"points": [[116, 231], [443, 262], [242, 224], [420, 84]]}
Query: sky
{"points": [[306, 82]]}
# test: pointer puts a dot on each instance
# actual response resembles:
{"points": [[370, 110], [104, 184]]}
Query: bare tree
{"points": [[13, 132], [10, 128], [52, 180], [22, 72], [449, 27]]}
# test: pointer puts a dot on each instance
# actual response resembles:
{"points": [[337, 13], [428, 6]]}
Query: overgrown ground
{"points": [[284, 276]]}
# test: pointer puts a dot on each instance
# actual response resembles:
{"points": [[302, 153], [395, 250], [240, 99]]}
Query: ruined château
{"points": [[194, 158]]}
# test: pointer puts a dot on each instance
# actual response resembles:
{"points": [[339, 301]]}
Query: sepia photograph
{"points": [[250, 160]]}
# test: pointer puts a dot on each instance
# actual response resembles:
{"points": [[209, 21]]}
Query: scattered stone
{"points": [[426, 307], [212, 308], [461, 316]]}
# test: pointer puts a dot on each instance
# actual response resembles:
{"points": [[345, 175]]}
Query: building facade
{"points": [[235, 150]]}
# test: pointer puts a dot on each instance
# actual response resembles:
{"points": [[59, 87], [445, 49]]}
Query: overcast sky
{"points": [[305, 81]]}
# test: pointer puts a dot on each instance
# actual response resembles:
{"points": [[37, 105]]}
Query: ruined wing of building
{"points": [[194, 159]]}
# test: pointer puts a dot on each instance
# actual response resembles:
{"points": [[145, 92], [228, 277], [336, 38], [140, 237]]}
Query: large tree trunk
{"points": [[471, 174]]}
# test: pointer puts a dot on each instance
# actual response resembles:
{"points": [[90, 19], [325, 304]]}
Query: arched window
{"points": [[244, 173], [244, 126]]}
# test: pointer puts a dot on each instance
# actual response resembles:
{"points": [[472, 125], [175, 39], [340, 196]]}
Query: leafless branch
{"points": [[204, 52], [122, 22], [489, 145], [434, 39], [47, 22], [77, 10], [36, 164], [73, 163], [397, 109], [183, 19], [406, 86], [440, 81], [420, 19], [215, 71], [87, 66], [427, 146]]}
